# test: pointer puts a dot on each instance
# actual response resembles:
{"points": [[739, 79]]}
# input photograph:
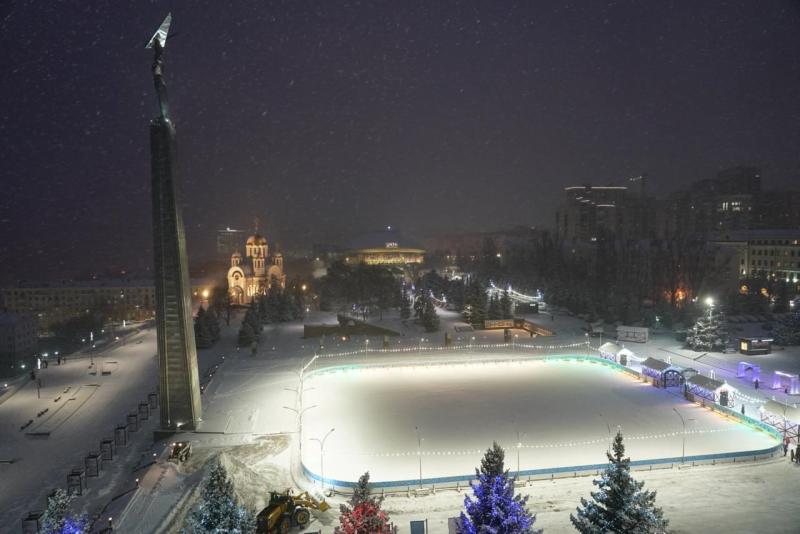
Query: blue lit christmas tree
{"points": [[620, 505], [494, 508]]}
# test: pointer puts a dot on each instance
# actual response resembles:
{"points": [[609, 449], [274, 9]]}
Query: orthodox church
{"points": [[253, 274]]}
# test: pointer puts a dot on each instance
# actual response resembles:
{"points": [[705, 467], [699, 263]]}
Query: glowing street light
{"points": [[710, 304], [322, 456]]}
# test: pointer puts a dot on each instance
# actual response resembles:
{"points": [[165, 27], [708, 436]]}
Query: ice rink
{"points": [[564, 413]]}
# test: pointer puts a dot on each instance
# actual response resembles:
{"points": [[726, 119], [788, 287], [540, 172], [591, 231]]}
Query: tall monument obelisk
{"points": [[177, 355]]}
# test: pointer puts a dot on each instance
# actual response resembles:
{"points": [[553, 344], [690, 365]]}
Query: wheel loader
{"points": [[285, 511]]}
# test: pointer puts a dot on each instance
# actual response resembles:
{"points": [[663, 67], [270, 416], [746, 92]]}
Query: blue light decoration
{"points": [[494, 508]]}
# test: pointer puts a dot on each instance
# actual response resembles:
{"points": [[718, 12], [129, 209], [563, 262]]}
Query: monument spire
{"points": [[179, 383]]}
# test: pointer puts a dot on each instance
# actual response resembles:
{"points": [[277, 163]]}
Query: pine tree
{"points": [[419, 306], [787, 331], [620, 506], [405, 308], [492, 463], [493, 507], [364, 514], [203, 335], [494, 309], [707, 334], [430, 319], [56, 518], [247, 335], [219, 510], [505, 305], [475, 303]]}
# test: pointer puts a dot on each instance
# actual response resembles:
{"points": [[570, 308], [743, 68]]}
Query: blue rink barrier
{"points": [[462, 481]]}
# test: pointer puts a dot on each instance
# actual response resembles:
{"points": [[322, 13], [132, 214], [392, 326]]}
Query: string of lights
{"points": [[533, 446]]}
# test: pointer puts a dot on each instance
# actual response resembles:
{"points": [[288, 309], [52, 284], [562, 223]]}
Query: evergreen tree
{"points": [[56, 518], [493, 507], [787, 331], [203, 335], [247, 336], [505, 306], [298, 302], [419, 306], [492, 463], [213, 324], [494, 309], [620, 505], [479, 304], [708, 333], [219, 510], [405, 308], [364, 514], [430, 319]]}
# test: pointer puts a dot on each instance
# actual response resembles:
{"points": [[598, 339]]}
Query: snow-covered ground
{"points": [[246, 424], [564, 413]]}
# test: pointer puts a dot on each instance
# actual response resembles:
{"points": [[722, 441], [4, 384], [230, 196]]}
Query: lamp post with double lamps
{"points": [[322, 456], [683, 445]]}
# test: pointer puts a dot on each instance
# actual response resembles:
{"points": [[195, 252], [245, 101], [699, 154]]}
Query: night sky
{"points": [[328, 118]]}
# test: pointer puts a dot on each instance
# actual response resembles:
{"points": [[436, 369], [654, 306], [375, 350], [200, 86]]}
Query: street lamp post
{"points": [[519, 446], [419, 453], [683, 445], [299, 414], [322, 456]]}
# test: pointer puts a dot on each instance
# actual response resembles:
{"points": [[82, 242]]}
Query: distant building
{"points": [[228, 241], [591, 213], [254, 273], [17, 339], [768, 254], [117, 299], [384, 247]]}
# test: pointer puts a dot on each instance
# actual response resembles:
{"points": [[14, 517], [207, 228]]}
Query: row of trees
{"points": [[366, 286], [277, 306], [620, 504]]}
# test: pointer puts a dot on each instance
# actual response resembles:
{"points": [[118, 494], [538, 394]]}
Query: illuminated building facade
{"points": [[384, 247], [254, 273]]}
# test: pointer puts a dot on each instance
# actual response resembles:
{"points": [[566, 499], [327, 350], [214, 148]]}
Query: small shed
{"points": [[755, 345], [625, 356], [609, 351], [711, 389], [663, 374]]}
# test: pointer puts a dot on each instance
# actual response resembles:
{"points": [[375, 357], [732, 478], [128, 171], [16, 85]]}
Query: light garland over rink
{"points": [[468, 452], [418, 349]]}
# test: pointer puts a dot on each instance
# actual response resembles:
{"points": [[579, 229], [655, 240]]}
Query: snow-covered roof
{"points": [[609, 348], [709, 384], [791, 413], [656, 365], [626, 352]]}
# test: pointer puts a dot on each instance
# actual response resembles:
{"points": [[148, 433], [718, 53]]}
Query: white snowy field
{"points": [[564, 413]]}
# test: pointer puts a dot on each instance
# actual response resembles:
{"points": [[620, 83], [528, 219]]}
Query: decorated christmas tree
{"points": [[56, 518], [219, 510], [707, 334], [493, 507], [364, 514], [620, 505]]}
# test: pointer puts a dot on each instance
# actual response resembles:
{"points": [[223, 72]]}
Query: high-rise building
{"points": [[592, 212], [228, 241]]}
